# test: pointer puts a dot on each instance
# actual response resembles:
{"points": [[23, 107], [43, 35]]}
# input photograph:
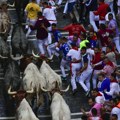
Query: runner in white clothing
{"points": [[49, 14], [75, 56], [69, 7], [86, 71]]}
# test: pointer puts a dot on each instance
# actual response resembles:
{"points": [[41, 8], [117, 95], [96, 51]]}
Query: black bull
{"points": [[19, 41], [20, 6], [4, 51], [11, 78]]}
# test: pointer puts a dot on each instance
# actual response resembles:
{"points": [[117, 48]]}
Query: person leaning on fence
{"points": [[42, 33]]}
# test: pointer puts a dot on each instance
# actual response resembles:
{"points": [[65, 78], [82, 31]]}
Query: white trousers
{"points": [[94, 18], [42, 45], [94, 78], [32, 22], [38, 2], [59, 2], [85, 77], [74, 68], [65, 8], [52, 49], [117, 43], [63, 64]]}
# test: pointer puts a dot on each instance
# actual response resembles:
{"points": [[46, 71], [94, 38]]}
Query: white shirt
{"points": [[74, 54], [114, 89], [100, 99], [116, 111], [49, 13], [91, 53]]}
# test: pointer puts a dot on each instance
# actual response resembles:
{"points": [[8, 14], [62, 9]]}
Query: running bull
{"points": [[48, 73], [11, 78], [19, 41], [23, 111], [32, 75], [59, 108], [19, 6]]}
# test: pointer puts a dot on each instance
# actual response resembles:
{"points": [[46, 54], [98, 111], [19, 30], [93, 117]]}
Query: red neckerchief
{"points": [[110, 63], [94, 37], [48, 7], [99, 94], [75, 48], [114, 81]]}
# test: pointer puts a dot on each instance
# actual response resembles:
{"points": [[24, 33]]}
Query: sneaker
{"points": [[74, 92], [64, 16]]}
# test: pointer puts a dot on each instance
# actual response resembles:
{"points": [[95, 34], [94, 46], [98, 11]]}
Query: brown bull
{"points": [[4, 21]]}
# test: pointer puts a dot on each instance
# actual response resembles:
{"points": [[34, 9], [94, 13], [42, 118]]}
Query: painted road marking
{"points": [[45, 116]]}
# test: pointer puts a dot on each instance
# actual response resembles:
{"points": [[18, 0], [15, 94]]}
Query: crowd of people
{"points": [[90, 53]]}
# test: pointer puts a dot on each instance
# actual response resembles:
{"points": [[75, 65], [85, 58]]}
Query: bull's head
{"points": [[56, 89], [44, 58], [19, 92], [40, 59], [3, 32]]}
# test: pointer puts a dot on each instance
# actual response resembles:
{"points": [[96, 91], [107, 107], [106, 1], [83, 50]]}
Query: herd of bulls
{"points": [[37, 79]]}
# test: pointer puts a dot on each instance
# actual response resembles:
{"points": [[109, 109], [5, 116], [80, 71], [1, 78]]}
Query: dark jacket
{"points": [[42, 32], [91, 5]]}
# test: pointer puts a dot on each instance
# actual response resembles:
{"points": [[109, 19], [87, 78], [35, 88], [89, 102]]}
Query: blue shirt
{"points": [[57, 35], [65, 48], [105, 85]]}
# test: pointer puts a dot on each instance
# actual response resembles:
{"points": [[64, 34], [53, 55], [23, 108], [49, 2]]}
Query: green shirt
{"points": [[83, 43]]}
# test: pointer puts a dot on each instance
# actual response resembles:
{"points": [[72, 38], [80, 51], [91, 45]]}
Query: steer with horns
{"points": [[59, 108], [48, 73], [19, 5], [23, 111], [11, 77], [19, 42], [32, 75]]}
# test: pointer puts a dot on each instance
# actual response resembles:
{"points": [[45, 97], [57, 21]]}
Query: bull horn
{"points": [[50, 57], [65, 89], [16, 58], [11, 93], [30, 91], [3, 32], [37, 56], [3, 57], [11, 23], [44, 90], [13, 5]]}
